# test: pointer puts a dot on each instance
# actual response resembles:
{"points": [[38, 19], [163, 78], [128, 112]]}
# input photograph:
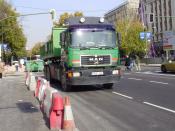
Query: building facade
{"points": [[126, 10], [163, 25]]}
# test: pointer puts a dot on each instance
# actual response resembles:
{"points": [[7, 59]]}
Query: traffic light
{"points": [[53, 13], [151, 17]]}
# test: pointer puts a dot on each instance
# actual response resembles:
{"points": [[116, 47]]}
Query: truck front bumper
{"points": [[87, 79]]}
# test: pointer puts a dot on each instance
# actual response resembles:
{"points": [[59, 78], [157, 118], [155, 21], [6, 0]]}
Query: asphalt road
{"points": [[19, 110], [141, 101]]}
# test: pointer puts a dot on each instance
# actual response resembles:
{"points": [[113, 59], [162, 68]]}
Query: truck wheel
{"points": [[48, 74], [64, 84], [45, 71], [108, 85]]}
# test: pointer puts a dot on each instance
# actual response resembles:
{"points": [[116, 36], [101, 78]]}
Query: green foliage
{"points": [[11, 31], [130, 41], [36, 49], [66, 16]]}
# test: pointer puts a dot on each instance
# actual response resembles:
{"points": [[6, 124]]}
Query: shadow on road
{"points": [[82, 88], [27, 107], [6, 108]]}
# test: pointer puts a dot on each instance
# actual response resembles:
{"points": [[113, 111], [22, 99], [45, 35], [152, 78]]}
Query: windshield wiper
{"points": [[106, 47]]}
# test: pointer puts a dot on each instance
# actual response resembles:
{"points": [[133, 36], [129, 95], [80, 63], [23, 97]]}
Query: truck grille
{"points": [[96, 60]]}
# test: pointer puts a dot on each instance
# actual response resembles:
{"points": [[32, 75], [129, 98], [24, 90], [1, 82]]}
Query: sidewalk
{"points": [[153, 65], [144, 66], [19, 110]]}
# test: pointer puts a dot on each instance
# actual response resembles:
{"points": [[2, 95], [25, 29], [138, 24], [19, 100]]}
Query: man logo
{"points": [[91, 59], [96, 59]]}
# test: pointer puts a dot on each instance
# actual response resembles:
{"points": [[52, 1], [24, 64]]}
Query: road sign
{"points": [[145, 35], [142, 35], [148, 35], [5, 46]]}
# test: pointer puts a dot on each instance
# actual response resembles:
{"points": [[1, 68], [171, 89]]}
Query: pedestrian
{"points": [[128, 63], [1, 69], [16, 66], [137, 60]]}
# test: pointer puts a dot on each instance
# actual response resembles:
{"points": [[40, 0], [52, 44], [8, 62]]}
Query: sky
{"points": [[37, 28]]}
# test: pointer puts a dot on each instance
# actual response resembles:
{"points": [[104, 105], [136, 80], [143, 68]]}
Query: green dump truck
{"points": [[85, 52]]}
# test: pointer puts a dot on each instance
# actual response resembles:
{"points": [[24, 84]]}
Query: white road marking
{"points": [[159, 82], [122, 95], [156, 73], [127, 73], [20, 100], [135, 79], [160, 107]]}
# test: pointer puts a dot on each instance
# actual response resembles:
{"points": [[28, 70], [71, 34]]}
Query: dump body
{"points": [[83, 53], [52, 48]]}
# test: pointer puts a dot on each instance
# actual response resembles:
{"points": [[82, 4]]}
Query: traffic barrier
{"points": [[28, 78], [43, 86], [68, 123], [48, 100], [38, 84], [56, 112], [32, 83]]}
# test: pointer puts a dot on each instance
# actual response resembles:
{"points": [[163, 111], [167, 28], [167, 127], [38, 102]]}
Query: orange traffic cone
{"points": [[68, 123]]}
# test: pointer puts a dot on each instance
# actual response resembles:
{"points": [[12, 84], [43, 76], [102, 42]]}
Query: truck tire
{"points": [[64, 85], [108, 85], [48, 74], [45, 71]]}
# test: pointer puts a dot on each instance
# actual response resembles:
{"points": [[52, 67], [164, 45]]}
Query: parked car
{"points": [[168, 66]]}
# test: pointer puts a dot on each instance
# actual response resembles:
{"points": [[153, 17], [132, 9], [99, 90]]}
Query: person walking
{"points": [[1, 69], [128, 63], [16, 66], [137, 61]]}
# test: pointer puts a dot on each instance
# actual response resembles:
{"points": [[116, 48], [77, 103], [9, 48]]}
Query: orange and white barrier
{"points": [[43, 86], [48, 100], [56, 112], [68, 123], [38, 85], [32, 83], [27, 81]]}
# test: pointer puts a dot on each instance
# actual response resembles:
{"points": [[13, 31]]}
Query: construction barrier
{"points": [[56, 112], [43, 86], [68, 123], [48, 100], [32, 83], [27, 78], [38, 85]]}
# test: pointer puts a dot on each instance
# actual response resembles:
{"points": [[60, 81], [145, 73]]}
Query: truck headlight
{"points": [[115, 72], [76, 74]]}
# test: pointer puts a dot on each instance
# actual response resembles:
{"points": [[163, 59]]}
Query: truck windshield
{"points": [[93, 38]]}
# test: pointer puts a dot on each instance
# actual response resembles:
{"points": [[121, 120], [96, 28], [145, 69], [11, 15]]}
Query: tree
{"points": [[11, 31], [36, 49], [66, 15], [130, 41]]}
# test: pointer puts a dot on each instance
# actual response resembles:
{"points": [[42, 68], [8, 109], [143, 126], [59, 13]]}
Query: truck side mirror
{"points": [[119, 38]]}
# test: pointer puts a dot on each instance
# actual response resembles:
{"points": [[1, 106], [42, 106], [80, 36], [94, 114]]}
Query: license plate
{"points": [[96, 73]]}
